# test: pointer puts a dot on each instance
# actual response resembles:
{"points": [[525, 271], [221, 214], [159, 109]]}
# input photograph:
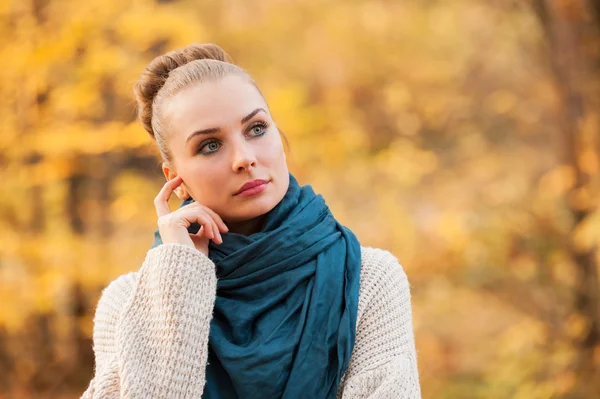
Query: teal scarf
{"points": [[284, 321]]}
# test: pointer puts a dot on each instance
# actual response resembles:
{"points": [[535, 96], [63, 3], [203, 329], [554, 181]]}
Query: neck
{"points": [[246, 227]]}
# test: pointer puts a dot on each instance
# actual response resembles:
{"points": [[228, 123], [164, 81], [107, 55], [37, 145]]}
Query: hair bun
{"points": [[156, 73], [206, 51]]}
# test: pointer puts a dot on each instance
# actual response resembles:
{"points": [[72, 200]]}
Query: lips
{"points": [[250, 185]]}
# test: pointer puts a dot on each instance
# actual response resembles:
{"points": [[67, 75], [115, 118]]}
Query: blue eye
{"points": [[212, 146], [258, 129]]}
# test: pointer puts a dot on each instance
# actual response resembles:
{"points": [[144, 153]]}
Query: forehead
{"points": [[221, 103]]}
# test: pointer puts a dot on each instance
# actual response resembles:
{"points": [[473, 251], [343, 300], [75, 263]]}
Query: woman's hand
{"points": [[173, 226]]}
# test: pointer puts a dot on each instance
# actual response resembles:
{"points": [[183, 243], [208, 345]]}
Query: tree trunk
{"points": [[571, 30]]}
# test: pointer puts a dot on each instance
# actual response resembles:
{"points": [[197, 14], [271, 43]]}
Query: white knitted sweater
{"points": [[151, 330]]}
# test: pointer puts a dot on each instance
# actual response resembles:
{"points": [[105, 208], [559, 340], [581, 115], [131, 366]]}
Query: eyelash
{"points": [[262, 125]]}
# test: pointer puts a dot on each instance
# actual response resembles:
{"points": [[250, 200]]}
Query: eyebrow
{"points": [[216, 129]]}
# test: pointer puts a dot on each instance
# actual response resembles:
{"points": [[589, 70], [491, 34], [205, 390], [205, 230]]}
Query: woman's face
{"points": [[222, 136]]}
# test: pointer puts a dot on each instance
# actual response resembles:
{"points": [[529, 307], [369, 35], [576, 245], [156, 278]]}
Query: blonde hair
{"points": [[170, 73]]}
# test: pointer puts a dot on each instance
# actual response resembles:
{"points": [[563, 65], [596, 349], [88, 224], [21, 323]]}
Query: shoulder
{"points": [[382, 278], [118, 291], [384, 329], [379, 262], [108, 311]]}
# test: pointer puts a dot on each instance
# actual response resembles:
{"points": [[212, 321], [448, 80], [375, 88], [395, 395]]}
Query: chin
{"points": [[253, 208]]}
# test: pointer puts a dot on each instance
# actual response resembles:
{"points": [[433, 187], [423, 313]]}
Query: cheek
{"points": [[277, 165], [272, 151], [204, 182]]}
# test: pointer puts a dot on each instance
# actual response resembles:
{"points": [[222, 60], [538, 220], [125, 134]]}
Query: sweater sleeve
{"points": [[383, 364], [151, 328]]}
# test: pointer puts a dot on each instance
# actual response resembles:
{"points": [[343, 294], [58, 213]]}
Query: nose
{"points": [[244, 158]]}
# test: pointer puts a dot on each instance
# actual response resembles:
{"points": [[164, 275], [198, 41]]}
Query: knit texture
{"points": [[151, 330]]}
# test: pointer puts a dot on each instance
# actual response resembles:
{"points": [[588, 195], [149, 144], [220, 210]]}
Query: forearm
{"points": [[163, 333], [159, 347]]}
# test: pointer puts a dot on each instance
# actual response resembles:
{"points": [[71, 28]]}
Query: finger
{"points": [[196, 215], [196, 239], [205, 220], [161, 202], [201, 243], [222, 226], [218, 239], [211, 228], [202, 232]]}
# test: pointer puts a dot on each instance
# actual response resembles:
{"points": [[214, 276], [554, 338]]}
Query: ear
{"points": [[170, 174]]}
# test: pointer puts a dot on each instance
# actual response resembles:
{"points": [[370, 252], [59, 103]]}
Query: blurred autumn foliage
{"points": [[461, 135]]}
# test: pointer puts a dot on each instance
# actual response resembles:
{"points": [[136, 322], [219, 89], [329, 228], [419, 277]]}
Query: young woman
{"points": [[252, 288]]}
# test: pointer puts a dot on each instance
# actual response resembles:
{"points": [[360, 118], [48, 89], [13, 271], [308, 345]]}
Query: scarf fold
{"points": [[284, 321]]}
